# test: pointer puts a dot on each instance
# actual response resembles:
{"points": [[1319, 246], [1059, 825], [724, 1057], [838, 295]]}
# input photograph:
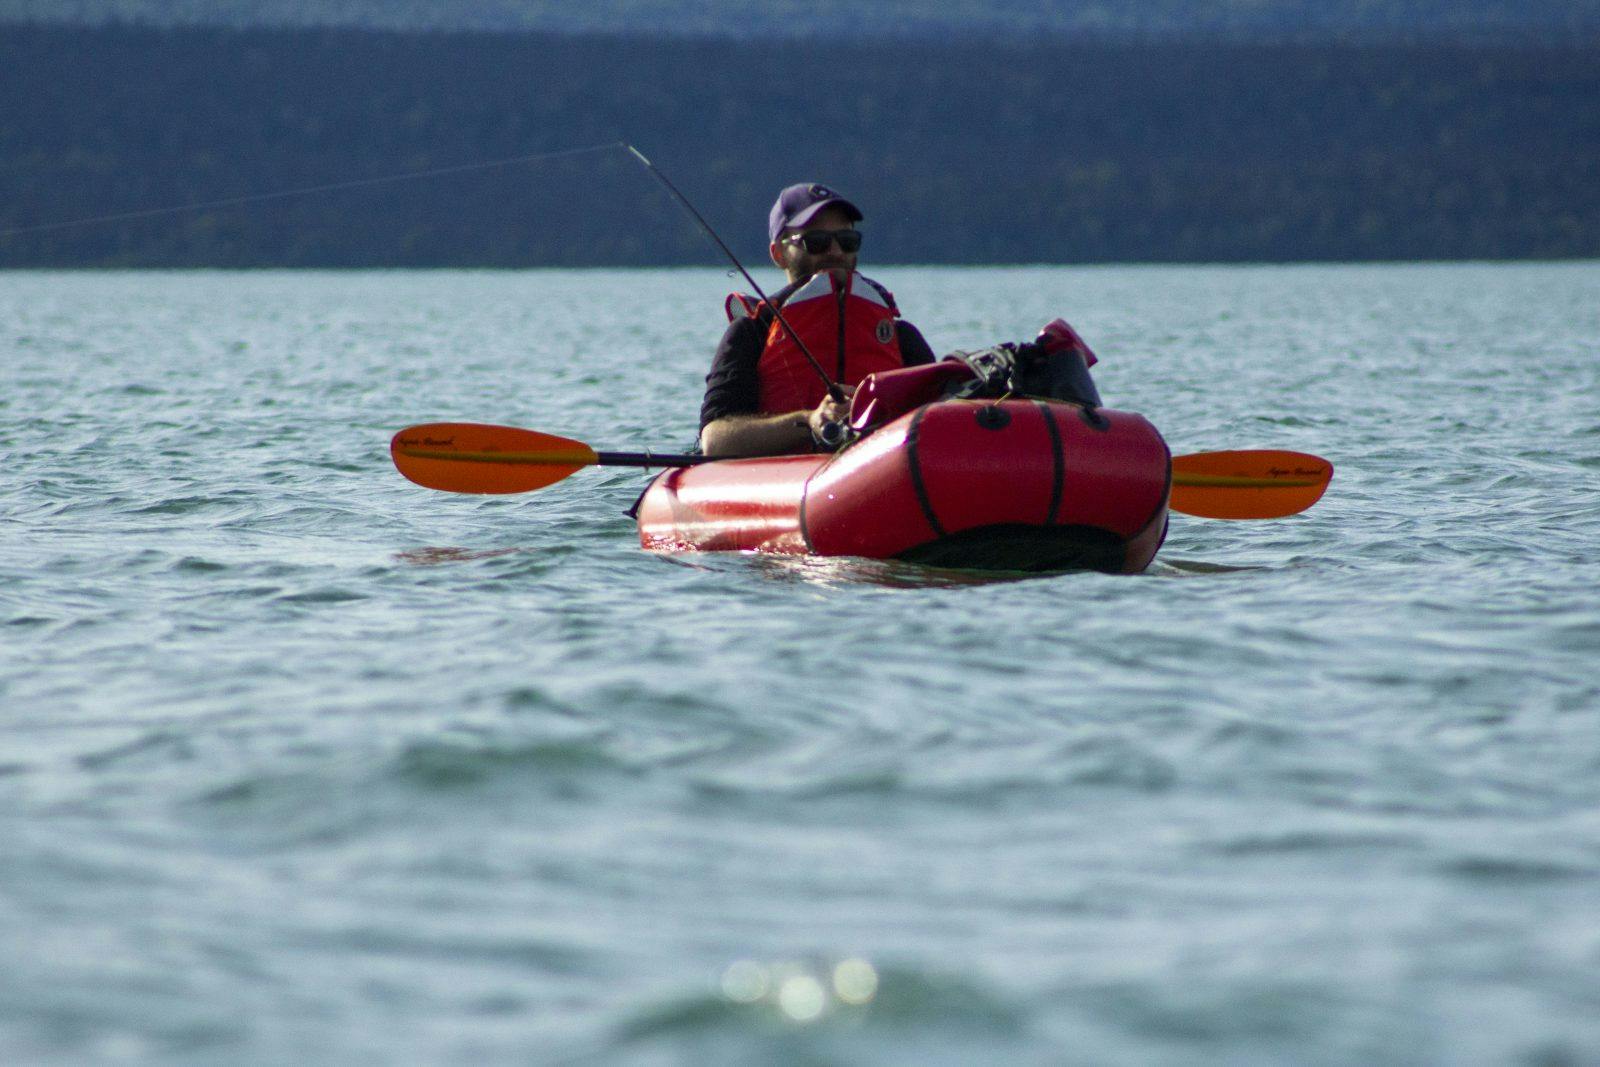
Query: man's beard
{"points": [[805, 264]]}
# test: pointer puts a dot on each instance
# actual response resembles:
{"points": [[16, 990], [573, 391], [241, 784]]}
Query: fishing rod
{"points": [[833, 387]]}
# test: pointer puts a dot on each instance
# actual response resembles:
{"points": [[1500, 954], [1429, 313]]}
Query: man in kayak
{"points": [[763, 396]]}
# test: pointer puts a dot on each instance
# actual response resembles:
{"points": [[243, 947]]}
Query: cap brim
{"points": [[811, 212]]}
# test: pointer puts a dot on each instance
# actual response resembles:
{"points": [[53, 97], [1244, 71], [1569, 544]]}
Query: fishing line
{"points": [[465, 168], [358, 183]]}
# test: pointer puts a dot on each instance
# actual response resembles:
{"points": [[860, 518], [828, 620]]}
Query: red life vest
{"points": [[848, 326]]}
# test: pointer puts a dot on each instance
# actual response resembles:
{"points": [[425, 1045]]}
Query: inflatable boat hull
{"points": [[1008, 485]]}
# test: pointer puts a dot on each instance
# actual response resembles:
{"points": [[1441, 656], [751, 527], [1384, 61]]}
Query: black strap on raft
{"points": [[1028, 369]]}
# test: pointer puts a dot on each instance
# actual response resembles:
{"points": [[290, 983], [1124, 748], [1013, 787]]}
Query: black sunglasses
{"points": [[817, 241]]}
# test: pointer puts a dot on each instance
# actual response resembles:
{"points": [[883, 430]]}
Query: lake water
{"points": [[302, 763]]}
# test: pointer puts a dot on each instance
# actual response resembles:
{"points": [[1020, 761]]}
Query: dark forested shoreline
{"points": [[1057, 152]]}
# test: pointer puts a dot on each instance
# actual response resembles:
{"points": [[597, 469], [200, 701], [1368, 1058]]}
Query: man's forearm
{"points": [[756, 435]]}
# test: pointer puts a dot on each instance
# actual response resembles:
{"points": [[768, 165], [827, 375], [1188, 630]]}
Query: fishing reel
{"points": [[833, 435]]}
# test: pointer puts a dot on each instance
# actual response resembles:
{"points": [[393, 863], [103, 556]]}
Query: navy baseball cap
{"points": [[797, 204]]}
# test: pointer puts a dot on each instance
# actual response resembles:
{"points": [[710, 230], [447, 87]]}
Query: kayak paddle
{"points": [[1257, 484], [469, 457]]}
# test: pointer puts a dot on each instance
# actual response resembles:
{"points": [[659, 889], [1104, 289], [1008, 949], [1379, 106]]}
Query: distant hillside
{"points": [[1233, 19], [1047, 153]]}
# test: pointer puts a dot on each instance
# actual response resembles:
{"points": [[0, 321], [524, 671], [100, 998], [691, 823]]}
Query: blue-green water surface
{"points": [[301, 763]]}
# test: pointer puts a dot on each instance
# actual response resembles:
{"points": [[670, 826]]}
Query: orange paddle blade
{"points": [[469, 457], [1261, 484]]}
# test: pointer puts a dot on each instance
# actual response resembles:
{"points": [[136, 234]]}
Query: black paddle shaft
{"points": [[647, 459]]}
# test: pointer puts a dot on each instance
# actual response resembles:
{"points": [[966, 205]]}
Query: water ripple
{"points": [[306, 762]]}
